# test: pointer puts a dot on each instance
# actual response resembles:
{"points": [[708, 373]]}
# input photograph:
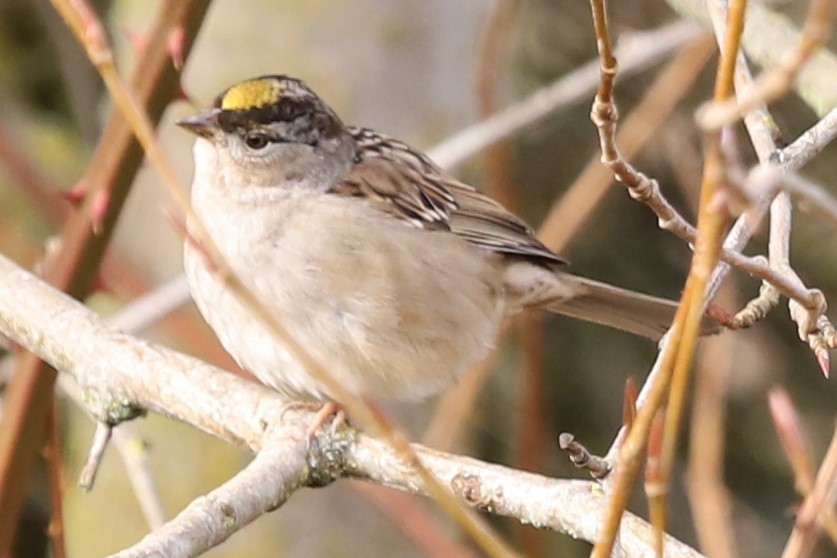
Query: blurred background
{"points": [[410, 69]]}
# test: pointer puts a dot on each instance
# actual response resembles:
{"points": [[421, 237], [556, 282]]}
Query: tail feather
{"points": [[630, 311]]}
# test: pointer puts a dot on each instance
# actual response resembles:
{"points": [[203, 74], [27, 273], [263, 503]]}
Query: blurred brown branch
{"points": [[112, 169], [817, 511]]}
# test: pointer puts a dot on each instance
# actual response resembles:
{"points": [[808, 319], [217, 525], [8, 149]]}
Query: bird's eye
{"points": [[256, 140]]}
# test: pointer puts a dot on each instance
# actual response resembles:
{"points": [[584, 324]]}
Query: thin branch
{"points": [[101, 437], [759, 127], [146, 310], [769, 180], [572, 210], [676, 355], [134, 454], [262, 486], [581, 456], [818, 508], [789, 428], [810, 143], [55, 465], [814, 327], [708, 496], [712, 219]]}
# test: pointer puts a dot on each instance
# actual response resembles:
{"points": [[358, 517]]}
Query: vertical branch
{"points": [[570, 213], [54, 459], [497, 162], [712, 218], [708, 496], [675, 359], [496, 157], [818, 509], [113, 166]]}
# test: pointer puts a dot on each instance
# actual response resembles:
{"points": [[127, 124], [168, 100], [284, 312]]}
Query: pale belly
{"points": [[388, 311]]}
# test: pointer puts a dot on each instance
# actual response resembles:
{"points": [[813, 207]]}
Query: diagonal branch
{"points": [[113, 166]]}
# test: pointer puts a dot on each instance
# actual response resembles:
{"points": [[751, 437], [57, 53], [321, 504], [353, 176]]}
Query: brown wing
{"points": [[408, 185]]}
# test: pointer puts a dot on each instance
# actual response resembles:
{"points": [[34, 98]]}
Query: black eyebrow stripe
{"points": [[272, 137]]}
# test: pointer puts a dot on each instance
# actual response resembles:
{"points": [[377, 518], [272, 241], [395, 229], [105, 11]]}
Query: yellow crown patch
{"points": [[254, 93]]}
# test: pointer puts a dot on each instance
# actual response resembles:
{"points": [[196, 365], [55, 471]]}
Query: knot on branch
{"points": [[111, 408], [603, 113], [644, 188], [326, 456], [470, 488]]}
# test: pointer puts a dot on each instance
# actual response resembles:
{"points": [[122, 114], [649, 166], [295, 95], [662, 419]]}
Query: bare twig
{"points": [[572, 210], [655, 483], [787, 423], [581, 456], [759, 127], [133, 452], [144, 311], [55, 464], [267, 481], [130, 450], [810, 143], [712, 219], [769, 180], [101, 437], [812, 324], [818, 508], [676, 354]]}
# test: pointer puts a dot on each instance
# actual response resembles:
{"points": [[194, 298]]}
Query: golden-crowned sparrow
{"points": [[393, 274]]}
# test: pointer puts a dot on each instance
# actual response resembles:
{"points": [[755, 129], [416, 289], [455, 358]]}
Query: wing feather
{"points": [[408, 185]]}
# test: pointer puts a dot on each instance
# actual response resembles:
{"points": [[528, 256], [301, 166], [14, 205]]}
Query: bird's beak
{"points": [[203, 123]]}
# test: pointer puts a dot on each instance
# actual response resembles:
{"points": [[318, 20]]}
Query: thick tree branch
{"points": [[121, 375]]}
